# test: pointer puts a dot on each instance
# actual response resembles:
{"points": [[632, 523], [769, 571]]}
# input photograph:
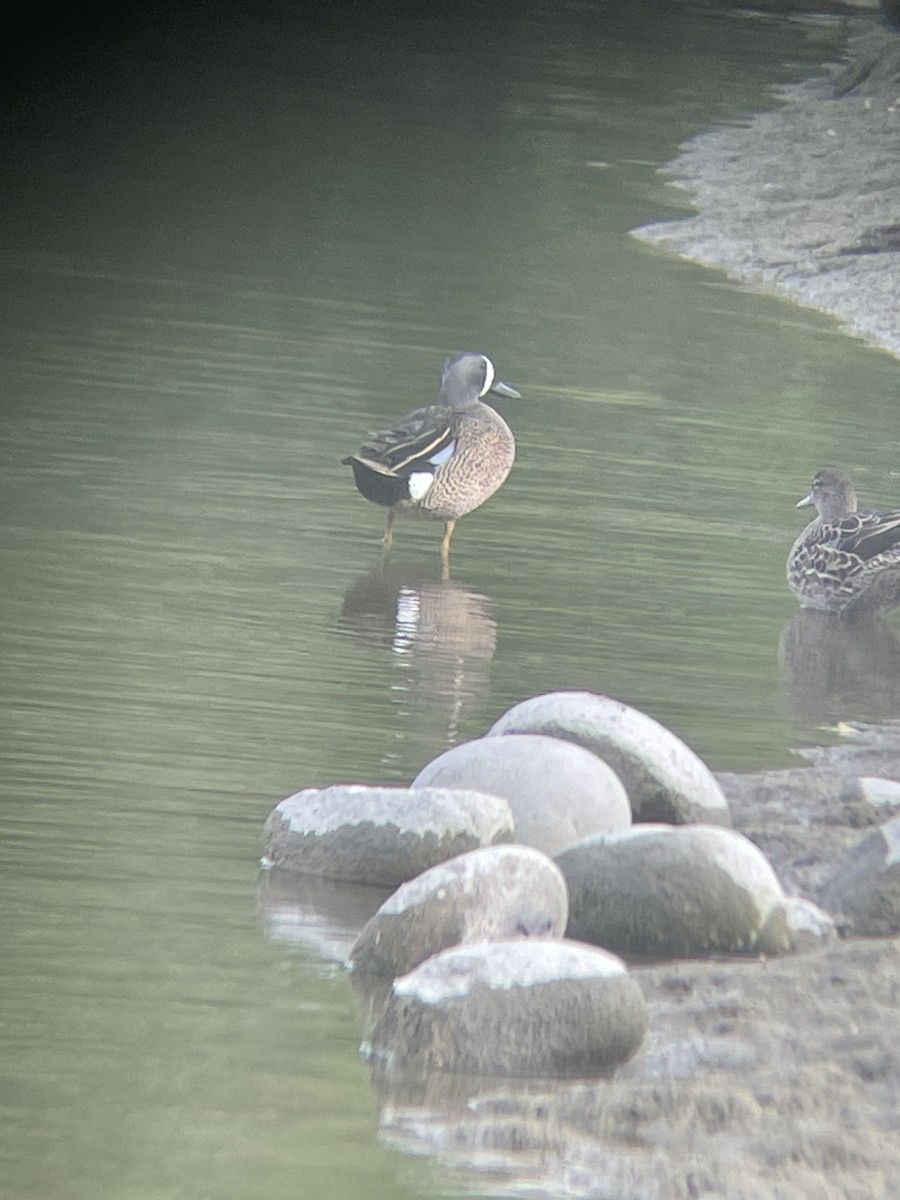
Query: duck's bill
{"points": [[503, 389], [806, 502]]}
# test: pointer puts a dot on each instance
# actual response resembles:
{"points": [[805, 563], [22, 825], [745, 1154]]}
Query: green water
{"points": [[232, 243]]}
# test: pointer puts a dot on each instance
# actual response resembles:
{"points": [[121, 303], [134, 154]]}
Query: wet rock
{"points": [[492, 894], [865, 889], [542, 1007], [668, 891], [558, 792], [380, 835], [664, 778]]}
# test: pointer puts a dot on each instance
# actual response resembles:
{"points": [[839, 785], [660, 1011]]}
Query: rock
{"points": [[802, 819], [865, 889], [881, 795], [558, 792], [380, 835], [796, 926], [664, 778], [667, 891], [496, 893], [524, 1007]]}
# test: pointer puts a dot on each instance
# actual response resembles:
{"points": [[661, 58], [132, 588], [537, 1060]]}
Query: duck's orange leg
{"points": [[449, 526]]}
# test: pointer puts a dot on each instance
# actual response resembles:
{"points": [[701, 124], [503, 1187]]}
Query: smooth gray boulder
{"points": [[380, 835], [492, 894], [558, 792], [524, 1007], [664, 778], [667, 891], [865, 890]]}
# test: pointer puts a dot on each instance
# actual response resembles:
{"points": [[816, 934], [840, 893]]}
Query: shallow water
{"points": [[231, 245]]}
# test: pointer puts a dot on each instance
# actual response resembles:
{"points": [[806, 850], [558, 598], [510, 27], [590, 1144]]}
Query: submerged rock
{"points": [[496, 893], [666, 891], [543, 1007], [558, 792], [380, 835], [664, 778]]}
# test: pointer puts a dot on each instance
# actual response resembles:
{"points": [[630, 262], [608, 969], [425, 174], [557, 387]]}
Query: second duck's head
{"points": [[467, 377], [832, 495]]}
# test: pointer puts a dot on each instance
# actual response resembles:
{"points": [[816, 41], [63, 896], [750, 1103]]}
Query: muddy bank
{"points": [[805, 200]]}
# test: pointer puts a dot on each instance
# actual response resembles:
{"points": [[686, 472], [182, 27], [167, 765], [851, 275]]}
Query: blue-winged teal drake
{"points": [[444, 460], [845, 561]]}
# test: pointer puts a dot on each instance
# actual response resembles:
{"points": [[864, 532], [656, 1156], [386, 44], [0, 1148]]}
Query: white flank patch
{"points": [[526, 962], [419, 483]]}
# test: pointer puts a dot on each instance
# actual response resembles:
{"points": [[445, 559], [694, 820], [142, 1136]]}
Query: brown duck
{"points": [[846, 560], [444, 460]]}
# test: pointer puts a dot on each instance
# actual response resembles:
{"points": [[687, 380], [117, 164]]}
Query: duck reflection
{"points": [[440, 635], [837, 669]]}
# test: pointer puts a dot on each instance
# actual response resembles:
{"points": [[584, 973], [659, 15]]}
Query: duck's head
{"points": [[832, 494], [468, 377]]}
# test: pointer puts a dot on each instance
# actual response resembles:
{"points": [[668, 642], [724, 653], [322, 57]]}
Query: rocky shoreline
{"points": [[804, 200], [778, 1079], [760, 1076]]}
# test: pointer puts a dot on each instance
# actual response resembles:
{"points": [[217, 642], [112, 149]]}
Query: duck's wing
{"points": [[865, 535], [419, 441]]}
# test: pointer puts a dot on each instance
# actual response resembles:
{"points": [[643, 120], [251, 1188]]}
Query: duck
{"points": [[846, 560], [444, 460]]}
